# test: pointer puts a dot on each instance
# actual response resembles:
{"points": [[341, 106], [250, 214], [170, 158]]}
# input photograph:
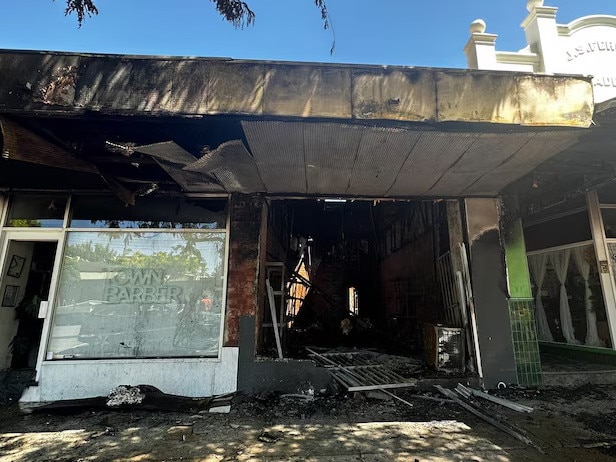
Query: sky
{"points": [[396, 32]]}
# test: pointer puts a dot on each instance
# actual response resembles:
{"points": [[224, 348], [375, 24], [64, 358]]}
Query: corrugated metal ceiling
{"points": [[355, 160]]}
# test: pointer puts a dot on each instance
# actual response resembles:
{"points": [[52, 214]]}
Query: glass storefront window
{"points": [[36, 211], [609, 222], [563, 230], [139, 295], [148, 212]]}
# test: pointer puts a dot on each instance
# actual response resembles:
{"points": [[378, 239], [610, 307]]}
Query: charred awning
{"points": [[212, 125]]}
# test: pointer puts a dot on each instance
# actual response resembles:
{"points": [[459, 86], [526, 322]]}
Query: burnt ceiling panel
{"points": [[168, 151], [331, 150], [190, 181], [233, 166], [489, 151], [278, 150], [433, 154], [316, 157], [540, 147], [172, 158], [381, 153]]}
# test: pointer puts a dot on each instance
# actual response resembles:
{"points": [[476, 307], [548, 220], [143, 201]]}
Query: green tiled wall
{"points": [[525, 344]]}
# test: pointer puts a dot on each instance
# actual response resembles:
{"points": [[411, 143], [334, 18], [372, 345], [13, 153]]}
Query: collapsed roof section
{"points": [[290, 128]]}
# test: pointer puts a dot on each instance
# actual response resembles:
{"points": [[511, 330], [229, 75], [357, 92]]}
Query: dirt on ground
{"points": [[566, 425]]}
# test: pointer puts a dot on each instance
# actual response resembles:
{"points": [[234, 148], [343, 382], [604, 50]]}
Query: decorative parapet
{"points": [[585, 46]]}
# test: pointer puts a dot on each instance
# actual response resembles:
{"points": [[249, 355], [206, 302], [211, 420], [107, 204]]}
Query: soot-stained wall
{"points": [[247, 215]]}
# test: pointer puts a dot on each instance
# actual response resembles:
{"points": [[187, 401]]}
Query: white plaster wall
{"points": [[514, 67], [8, 323], [592, 51], [61, 380]]}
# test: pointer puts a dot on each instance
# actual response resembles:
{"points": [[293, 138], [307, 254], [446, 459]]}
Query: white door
{"points": [[29, 268]]}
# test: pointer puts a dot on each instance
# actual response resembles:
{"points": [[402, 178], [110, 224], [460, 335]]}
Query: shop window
{"points": [[36, 211], [609, 222], [607, 194], [139, 295], [110, 212], [563, 230]]}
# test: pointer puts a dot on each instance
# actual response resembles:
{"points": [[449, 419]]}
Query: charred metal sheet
{"points": [[559, 101], [61, 83], [431, 157], [234, 89], [307, 90], [330, 151], [172, 159], [190, 181], [394, 94], [126, 195], [342, 159], [488, 152], [168, 151], [233, 166], [477, 97], [540, 148], [381, 153], [21, 144], [278, 149]]}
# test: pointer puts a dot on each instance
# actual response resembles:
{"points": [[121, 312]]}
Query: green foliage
{"points": [[181, 260], [24, 223], [236, 12], [87, 251], [81, 8]]}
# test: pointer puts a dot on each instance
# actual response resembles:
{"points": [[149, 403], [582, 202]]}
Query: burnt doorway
{"points": [[356, 274], [25, 286]]}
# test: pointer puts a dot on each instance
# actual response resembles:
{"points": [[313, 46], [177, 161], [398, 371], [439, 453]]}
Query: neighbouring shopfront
{"points": [[94, 289], [572, 257], [567, 205]]}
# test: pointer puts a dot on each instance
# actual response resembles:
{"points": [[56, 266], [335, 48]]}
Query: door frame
{"points": [[608, 285], [38, 235]]}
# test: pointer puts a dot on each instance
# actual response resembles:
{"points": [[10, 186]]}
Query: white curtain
{"points": [[538, 264], [583, 266], [560, 262]]}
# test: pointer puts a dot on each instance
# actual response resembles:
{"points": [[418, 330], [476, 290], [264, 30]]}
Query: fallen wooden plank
{"points": [[270, 297]]}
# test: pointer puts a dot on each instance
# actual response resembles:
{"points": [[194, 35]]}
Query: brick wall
{"points": [[246, 219]]}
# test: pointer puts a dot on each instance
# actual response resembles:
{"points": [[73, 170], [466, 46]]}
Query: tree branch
{"points": [[81, 8]]}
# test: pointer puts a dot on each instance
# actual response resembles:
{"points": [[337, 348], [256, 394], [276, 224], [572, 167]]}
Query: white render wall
{"points": [[195, 377], [592, 50], [586, 46]]}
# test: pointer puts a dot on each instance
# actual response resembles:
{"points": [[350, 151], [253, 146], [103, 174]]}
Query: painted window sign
{"points": [[139, 295], [9, 299], [16, 266]]}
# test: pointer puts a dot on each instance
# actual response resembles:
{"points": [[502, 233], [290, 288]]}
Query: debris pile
{"points": [[125, 395], [463, 396]]}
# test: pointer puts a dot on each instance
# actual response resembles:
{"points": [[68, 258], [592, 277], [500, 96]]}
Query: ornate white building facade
{"points": [[584, 46]]}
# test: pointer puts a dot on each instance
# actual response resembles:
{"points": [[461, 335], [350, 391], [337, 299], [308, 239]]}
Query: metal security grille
{"points": [[449, 290], [360, 371]]}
